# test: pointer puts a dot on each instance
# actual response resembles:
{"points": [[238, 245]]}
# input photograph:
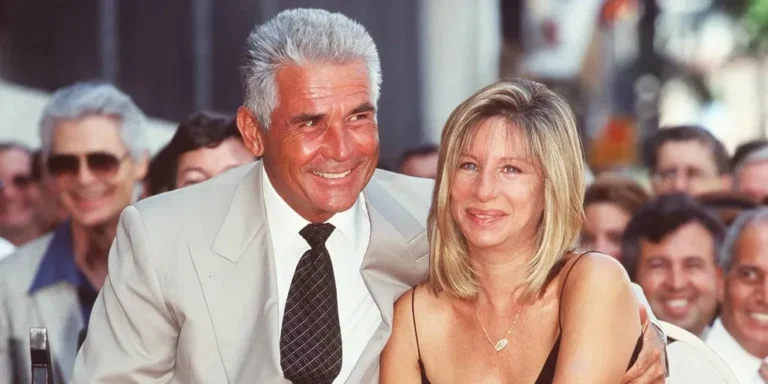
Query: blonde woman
{"points": [[508, 299]]}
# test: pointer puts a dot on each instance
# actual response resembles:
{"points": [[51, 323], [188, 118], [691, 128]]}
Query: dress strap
{"points": [[413, 314]]}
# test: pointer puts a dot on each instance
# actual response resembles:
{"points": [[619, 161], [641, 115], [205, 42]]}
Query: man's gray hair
{"points": [[85, 99], [302, 37], [742, 222]]}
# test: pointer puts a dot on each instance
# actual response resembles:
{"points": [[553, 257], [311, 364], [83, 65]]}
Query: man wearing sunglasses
{"points": [[18, 223], [95, 153]]}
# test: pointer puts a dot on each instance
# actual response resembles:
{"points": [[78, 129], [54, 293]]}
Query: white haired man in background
{"points": [[94, 148]]}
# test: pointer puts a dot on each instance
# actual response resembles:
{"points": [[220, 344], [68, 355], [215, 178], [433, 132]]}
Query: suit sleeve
{"points": [[132, 334], [642, 300], [7, 365]]}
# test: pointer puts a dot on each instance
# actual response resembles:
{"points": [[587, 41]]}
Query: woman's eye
{"points": [[468, 166]]}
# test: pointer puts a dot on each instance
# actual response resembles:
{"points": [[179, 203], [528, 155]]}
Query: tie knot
{"points": [[317, 234]]}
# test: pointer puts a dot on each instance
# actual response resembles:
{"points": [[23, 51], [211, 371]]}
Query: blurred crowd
{"points": [[696, 241]]}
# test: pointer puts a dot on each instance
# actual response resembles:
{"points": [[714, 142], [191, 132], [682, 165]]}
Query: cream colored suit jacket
{"points": [[191, 293], [54, 307]]}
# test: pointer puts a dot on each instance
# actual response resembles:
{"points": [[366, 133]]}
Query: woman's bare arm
{"points": [[399, 360], [601, 324]]}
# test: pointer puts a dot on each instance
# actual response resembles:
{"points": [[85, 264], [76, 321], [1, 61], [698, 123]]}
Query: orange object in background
{"points": [[615, 10], [615, 145]]}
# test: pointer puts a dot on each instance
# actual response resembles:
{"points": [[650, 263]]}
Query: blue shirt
{"points": [[58, 265]]}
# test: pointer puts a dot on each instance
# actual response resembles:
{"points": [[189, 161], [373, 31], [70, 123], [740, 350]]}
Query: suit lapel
{"points": [[237, 275], [395, 261], [238, 278], [59, 309]]}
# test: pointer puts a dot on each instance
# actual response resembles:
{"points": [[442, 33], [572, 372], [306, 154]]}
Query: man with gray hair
{"points": [[289, 270], [94, 148], [751, 174], [740, 334]]}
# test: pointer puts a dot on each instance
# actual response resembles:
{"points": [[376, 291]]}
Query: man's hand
{"points": [[650, 367]]}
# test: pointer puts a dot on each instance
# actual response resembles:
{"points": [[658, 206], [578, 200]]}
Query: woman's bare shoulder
{"points": [[420, 304], [591, 272], [590, 264]]}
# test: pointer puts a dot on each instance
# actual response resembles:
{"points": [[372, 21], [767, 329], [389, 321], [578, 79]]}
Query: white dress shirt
{"points": [[359, 317], [6, 248], [744, 366]]}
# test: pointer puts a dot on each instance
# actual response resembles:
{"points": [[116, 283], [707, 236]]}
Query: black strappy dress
{"points": [[547, 374]]}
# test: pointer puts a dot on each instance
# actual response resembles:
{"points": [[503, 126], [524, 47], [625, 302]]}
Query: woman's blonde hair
{"points": [[549, 128]]}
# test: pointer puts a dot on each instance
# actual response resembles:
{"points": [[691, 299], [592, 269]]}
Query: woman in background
{"points": [[609, 204], [508, 299]]}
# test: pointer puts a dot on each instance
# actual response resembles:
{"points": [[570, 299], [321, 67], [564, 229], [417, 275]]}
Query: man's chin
{"points": [[95, 219], [335, 203], [340, 206]]}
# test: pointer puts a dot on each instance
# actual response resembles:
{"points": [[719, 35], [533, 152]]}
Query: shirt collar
{"points": [[284, 222], [742, 363], [58, 262]]}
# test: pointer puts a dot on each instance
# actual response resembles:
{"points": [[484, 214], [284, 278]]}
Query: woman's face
{"points": [[604, 228], [497, 194]]}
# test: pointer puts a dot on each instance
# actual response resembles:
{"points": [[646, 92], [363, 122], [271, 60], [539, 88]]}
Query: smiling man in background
{"points": [[670, 249], [740, 334], [94, 149]]}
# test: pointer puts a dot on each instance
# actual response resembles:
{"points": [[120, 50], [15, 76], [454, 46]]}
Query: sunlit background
{"points": [[626, 66]]}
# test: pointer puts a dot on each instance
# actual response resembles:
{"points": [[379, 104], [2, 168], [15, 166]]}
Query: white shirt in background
{"points": [[744, 366], [6, 248]]}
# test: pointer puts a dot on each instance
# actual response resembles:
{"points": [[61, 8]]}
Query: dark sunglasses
{"points": [[19, 181], [99, 163]]}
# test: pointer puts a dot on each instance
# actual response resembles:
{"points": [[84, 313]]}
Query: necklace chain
{"points": [[504, 341]]}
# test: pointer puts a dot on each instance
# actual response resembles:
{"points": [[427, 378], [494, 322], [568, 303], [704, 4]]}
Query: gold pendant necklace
{"points": [[503, 342]]}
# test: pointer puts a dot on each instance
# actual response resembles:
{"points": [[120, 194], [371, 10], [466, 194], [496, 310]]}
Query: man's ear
{"points": [[142, 165], [250, 130]]}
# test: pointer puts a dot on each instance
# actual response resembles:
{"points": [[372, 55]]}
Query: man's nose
{"points": [[763, 292], [339, 142], [680, 184], [84, 174], [677, 278]]}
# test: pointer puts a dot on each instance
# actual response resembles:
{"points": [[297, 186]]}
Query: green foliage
{"points": [[756, 24]]}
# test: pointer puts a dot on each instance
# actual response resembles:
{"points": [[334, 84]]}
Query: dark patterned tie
{"points": [[310, 340]]}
